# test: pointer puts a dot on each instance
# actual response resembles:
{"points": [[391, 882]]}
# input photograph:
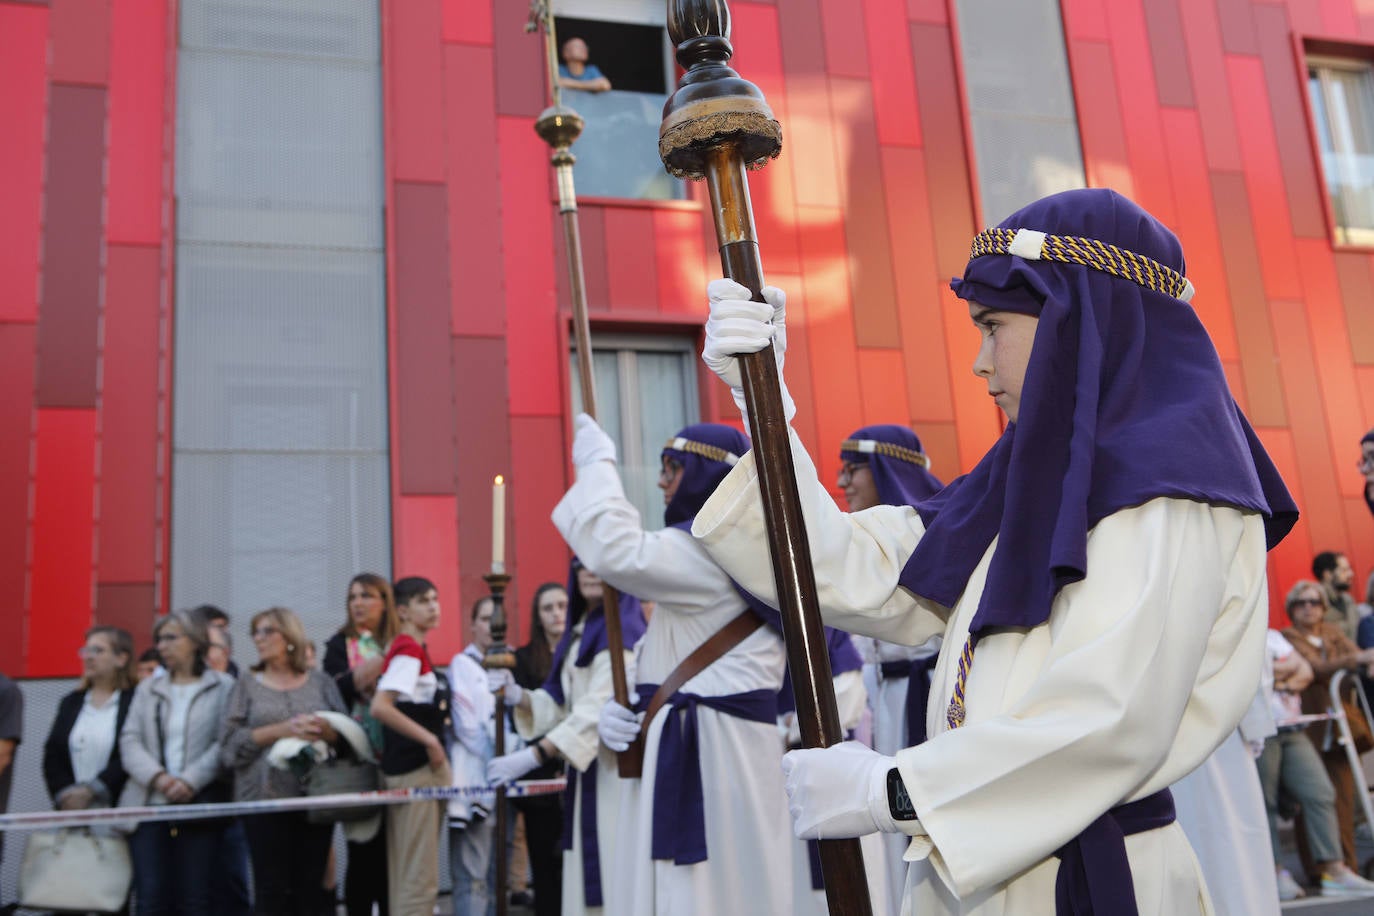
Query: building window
{"points": [[646, 390], [1341, 92], [617, 155]]}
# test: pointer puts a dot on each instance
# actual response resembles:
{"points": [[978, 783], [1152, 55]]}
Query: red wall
{"points": [[1193, 107], [84, 310]]}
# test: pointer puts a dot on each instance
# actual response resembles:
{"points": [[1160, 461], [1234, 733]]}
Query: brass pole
{"points": [[559, 127], [499, 655], [714, 127]]}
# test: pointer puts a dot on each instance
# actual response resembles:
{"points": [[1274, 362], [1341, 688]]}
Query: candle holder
{"points": [[499, 655]]}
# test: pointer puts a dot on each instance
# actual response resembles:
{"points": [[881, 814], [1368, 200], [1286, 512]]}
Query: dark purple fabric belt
{"points": [[679, 800], [917, 672], [591, 849], [1094, 873]]}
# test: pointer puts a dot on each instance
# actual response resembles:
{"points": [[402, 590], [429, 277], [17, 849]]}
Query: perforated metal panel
{"points": [[280, 453], [1025, 127]]}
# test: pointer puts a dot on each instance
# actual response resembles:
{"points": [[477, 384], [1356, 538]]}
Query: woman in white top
{"points": [[81, 762], [1099, 578]]}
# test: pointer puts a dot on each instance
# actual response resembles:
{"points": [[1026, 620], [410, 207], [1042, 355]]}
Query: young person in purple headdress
{"points": [[564, 712], [885, 465], [705, 828], [1099, 577]]}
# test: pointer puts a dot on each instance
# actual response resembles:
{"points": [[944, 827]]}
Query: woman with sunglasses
{"points": [[1328, 650]]}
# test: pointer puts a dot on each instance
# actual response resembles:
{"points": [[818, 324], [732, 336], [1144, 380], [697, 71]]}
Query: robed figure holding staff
{"points": [[1099, 578], [705, 829], [559, 720]]}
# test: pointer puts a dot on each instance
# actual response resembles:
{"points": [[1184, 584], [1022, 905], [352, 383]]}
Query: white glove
{"points": [[739, 325], [839, 791], [507, 769], [590, 442], [617, 726], [502, 679]]}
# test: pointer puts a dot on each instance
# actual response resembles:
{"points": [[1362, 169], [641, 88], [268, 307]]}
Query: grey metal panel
{"points": [[1020, 101], [280, 479]]}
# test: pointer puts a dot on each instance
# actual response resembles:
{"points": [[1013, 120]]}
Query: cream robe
{"points": [[1140, 672], [888, 699], [571, 727], [747, 826]]}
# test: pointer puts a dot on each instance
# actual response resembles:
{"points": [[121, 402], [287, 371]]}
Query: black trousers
{"points": [[365, 880], [288, 854], [543, 831]]}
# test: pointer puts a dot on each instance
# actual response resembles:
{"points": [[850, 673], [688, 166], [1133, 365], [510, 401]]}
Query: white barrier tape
{"points": [[38, 820]]}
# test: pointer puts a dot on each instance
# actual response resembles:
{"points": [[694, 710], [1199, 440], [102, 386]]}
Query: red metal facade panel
{"points": [[81, 41], [1253, 334], [482, 418], [61, 581], [630, 271], [594, 254], [679, 263], [846, 50], [138, 64], [1292, 559], [883, 386], [947, 161], [1357, 291], [426, 544], [917, 285], [1322, 510], [1165, 37], [474, 190], [131, 605], [1139, 104], [16, 430], [1207, 64], [1085, 20], [891, 72], [521, 85], [1338, 17], [1264, 179], [128, 416], [1100, 132], [422, 374], [538, 450], [1237, 26], [872, 292], [1197, 227], [1335, 371], [414, 90], [528, 266], [467, 22], [23, 73], [1285, 85], [933, 11], [70, 311]]}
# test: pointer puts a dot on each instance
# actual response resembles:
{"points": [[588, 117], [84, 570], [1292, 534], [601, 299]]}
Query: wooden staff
{"points": [[714, 127], [499, 655], [559, 127]]}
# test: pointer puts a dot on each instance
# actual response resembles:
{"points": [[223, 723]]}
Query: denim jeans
{"points": [[174, 867], [472, 867], [1290, 763]]}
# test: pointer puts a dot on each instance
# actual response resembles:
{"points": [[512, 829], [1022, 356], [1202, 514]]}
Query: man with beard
{"points": [[1333, 571]]}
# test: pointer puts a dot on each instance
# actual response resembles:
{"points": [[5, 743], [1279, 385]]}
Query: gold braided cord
{"points": [[1069, 249], [900, 452], [713, 452]]}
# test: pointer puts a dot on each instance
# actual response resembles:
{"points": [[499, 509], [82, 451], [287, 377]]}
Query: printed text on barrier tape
{"points": [[46, 819]]}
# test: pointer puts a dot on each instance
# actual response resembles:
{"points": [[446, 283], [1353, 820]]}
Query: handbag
{"points": [[338, 775], [1357, 723], [75, 870]]}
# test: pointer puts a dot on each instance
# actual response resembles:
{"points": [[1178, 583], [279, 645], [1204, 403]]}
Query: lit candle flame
{"points": [[500, 481]]}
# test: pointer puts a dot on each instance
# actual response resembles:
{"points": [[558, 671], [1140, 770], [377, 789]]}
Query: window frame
{"points": [[1333, 53]]}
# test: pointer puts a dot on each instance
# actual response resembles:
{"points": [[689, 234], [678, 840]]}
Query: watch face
{"points": [[898, 801]]}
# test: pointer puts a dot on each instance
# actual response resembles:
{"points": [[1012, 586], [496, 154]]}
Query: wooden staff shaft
{"points": [[846, 887], [499, 656], [629, 763]]}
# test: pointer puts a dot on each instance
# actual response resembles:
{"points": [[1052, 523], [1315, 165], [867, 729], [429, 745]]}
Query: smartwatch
{"points": [[898, 802]]}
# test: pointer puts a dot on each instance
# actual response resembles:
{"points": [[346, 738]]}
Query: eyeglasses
{"points": [[1366, 462], [168, 637], [849, 469], [669, 470], [1308, 602], [265, 632], [90, 652]]}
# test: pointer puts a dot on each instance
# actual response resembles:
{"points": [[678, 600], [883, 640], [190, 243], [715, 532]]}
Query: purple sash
{"points": [[917, 672], [1094, 873], [591, 850], [679, 799]]}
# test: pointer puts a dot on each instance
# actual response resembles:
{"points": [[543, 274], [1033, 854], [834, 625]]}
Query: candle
{"points": [[498, 525]]}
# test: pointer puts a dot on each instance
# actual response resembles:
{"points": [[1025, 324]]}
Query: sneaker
{"points": [[1288, 888], [1348, 884]]}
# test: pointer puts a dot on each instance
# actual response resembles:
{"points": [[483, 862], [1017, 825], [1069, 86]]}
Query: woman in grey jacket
{"points": [[171, 749]]}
